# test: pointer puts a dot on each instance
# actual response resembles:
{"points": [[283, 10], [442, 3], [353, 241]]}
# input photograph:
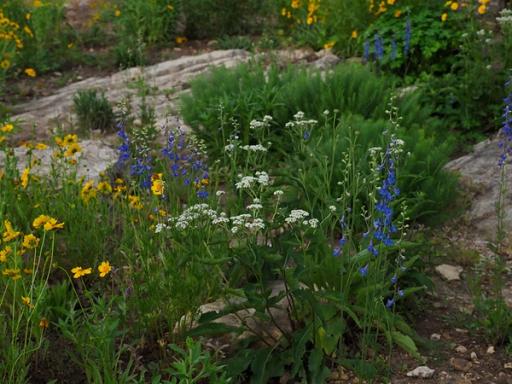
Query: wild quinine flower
{"points": [[313, 223], [296, 215], [247, 182], [278, 193], [197, 214], [255, 224], [254, 207], [254, 148], [258, 124]]}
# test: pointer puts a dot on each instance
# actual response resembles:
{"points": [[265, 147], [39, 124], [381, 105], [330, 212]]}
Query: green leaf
{"points": [[406, 343], [318, 372]]}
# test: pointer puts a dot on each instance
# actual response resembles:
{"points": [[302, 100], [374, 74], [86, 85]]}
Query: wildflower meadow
{"points": [[219, 191]]}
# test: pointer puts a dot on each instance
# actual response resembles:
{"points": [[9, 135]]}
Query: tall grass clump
{"points": [[350, 97]]}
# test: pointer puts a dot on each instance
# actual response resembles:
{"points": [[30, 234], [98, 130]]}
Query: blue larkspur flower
{"points": [[379, 47], [394, 49], [505, 142], [366, 51], [394, 279], [363, 271], [407, 37], [390, 303], [124, 148], [400, 293]]}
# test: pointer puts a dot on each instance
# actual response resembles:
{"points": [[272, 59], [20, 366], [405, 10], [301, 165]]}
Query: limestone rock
{"points": [[480, 175], [57, 109], [449, 272], [461, 349], [326, 61], [423, 372], [462, 365], [96, 156]]}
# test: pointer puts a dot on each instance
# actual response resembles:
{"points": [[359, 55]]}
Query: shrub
{"points": [[93, 111], [358, 95], [214, 18]]}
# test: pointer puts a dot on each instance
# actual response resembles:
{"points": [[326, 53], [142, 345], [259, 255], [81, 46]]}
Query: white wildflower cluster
{"points": [[396, 146], [259, 124], [299, 216], [247, 182], [505, 18], [300, 122], [197, 212], [221, 219], [278, 193], [373, 151], [254, 148], [256, 205], [246, 221], [233, 143]]}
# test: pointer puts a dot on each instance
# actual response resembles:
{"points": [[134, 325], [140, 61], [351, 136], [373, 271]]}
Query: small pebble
{"points": [[423, 371], [490, 350], [462, 365], [474, 357], [435, 336], [507, 366], [461, 349]]}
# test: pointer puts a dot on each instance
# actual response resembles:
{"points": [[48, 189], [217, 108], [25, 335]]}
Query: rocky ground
{"points": [[453, 351]]}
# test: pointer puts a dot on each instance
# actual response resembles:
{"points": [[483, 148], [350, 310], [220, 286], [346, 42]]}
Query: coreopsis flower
{"points": [[43, 323], [30, 72], [25, 176], [354, 34], [444, 17], [6, 128], [158, 187], [295, 4], [78, 272], [104, 187], [454, 6], [26, 301], [9, 232], [13, 273], [482, 9], [52, 224], [48, 223], [88, 191], [72, 149], [4, 253], [134, 202], [104, 268], [181, 39], [41, 146], [329, 45], [70, 139], [30, 241]]}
